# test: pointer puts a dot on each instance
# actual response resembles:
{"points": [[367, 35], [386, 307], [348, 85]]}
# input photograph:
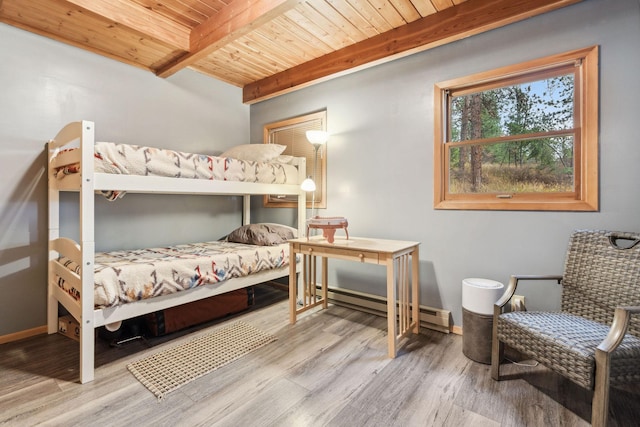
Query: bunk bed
{"points": [[74, 267]]}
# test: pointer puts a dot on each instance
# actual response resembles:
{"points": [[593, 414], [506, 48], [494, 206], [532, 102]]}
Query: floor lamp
{"points": [[317, 138]]}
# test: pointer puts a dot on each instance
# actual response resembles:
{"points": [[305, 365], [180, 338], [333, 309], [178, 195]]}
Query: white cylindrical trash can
{"points": [[478, 298]]}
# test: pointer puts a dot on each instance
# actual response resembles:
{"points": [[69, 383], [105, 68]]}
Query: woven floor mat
{"points": [[170, 369]]}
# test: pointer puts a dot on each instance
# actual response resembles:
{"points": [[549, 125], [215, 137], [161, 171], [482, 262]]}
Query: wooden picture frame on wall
{"points": [[292, 133]]}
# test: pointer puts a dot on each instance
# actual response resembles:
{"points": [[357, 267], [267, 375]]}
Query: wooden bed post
{"points": [[246, 209], [54, 233], [87, 246], [66, 135]]}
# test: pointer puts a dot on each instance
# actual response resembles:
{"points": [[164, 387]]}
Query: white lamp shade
{"points": [[317, 136], [308, 185]]}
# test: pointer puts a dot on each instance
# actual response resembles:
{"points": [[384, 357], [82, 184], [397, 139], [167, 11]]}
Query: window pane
{"points": [[292, 133], [538, 106], [520, 137], [542, 165]]}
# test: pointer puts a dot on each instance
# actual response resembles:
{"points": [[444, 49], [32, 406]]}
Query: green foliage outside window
{"points": [[524, 163], [521, 137]]}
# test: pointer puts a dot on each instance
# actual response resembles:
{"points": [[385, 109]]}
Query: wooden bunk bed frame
{"points": [[87, 183]]}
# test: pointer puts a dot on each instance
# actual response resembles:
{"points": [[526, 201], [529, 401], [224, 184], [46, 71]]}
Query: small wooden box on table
{"points": [[400, 258]]}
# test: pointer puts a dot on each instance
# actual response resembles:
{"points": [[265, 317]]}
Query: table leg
{"points": [[415, 291], [293, 286], [304, 296], [392, 331], [325, 284]]}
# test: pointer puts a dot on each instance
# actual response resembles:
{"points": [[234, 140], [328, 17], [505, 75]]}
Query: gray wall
{"points": [[380, 155], [43, 86], [380, 172]]}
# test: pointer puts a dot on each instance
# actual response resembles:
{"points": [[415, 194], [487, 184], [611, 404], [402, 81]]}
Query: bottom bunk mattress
{"points": [[125, 276]]}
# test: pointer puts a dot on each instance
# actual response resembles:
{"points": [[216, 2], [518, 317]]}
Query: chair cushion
{"points": [[567, 344]]}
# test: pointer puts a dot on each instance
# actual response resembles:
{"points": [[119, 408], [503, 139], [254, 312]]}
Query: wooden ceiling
{"points": [[267, 47]]}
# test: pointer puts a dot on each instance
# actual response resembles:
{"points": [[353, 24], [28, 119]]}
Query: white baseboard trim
{"points": [[431, 318]]}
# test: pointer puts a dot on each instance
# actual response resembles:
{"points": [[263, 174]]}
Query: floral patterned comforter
{"points": [[126, 276]]}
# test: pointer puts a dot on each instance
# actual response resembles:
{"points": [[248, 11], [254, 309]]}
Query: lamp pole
{"points": [[315, 168], [317, 138]]}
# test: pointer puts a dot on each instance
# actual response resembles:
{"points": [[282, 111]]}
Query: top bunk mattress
{"points": [[127, 159]]}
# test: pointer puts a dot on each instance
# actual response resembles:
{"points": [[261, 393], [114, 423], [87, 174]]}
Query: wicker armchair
{"points": [[595, 339]]}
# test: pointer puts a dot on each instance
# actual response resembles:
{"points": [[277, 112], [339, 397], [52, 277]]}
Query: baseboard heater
{"points": [[431, 318]]}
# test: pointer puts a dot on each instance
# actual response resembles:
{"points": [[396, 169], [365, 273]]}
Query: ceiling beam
{"points": [[140, 19], [463, 20], [232, 22]]}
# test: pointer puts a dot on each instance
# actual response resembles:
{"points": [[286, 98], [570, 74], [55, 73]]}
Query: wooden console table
{"points": [[403, 298]]}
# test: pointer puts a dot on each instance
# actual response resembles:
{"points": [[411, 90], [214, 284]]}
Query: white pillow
{"points": [[255, 152]]}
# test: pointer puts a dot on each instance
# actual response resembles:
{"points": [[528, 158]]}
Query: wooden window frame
{"points": [[585, 196], [312, 121]]}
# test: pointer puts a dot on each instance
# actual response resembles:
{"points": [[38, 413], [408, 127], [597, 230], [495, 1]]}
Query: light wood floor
{"points": [[330, 369]]}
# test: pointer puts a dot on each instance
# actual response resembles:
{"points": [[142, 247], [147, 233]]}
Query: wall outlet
{"points": [[517, 303]]}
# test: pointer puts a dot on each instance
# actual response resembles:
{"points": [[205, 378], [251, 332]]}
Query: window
{"points": [[523, 137], [292, 133]]}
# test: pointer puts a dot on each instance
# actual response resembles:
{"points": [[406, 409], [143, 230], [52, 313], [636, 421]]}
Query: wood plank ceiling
{"points": [[267, 47]]}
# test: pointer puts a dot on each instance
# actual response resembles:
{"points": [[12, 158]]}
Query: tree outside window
{"points": [[522, 137]]}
